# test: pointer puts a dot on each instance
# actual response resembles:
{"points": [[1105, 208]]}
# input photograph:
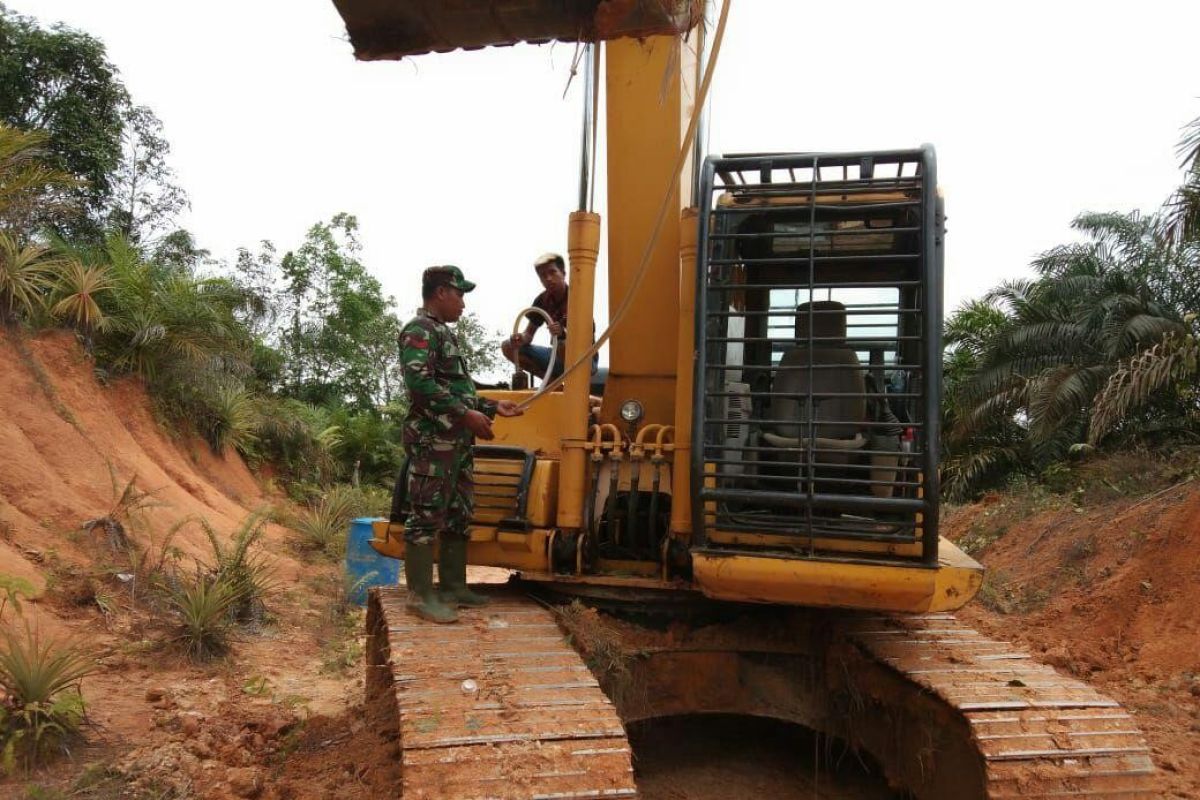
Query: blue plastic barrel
{"points": [[364, 567]]}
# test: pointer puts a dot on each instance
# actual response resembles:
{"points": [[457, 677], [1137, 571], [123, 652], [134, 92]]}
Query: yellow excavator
{"points": [[762, 464]]}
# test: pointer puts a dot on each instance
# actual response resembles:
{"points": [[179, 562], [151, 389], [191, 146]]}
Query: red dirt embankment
{"points": [[279, 717], [70, 445], [1108, 592]]}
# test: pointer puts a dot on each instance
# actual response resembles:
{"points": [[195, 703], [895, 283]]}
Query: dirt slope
{"points": [[68, 446], [1108, 592], [66, 440]]}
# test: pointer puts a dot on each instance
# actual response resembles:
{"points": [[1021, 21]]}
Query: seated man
{"points": [[551, 271]]}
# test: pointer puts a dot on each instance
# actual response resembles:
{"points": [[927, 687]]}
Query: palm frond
{"points": [[1059, 397], [1176, 358], [26, 271], [962, 476], [77, 295]]}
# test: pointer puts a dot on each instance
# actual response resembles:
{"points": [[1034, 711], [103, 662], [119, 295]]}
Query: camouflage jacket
{"points": [[440, 389]]}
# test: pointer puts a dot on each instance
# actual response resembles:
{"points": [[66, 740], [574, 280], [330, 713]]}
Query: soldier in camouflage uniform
{"points": [[444, 418]]}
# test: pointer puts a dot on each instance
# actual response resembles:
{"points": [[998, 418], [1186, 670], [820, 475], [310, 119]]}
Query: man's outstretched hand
{"points": [[478, 423], [507, 408]]}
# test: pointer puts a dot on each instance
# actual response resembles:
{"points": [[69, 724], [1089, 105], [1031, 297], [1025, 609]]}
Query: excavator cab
{"points": [[818, 340]]}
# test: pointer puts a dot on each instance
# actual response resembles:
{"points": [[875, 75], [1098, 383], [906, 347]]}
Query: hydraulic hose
{"points": [[553, 349]]}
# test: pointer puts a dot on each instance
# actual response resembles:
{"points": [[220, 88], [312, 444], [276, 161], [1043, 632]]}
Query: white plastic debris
{"points": [[470, 687]]}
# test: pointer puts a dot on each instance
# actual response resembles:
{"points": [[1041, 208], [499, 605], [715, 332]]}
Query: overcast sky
{"points": [[1039, 110]]}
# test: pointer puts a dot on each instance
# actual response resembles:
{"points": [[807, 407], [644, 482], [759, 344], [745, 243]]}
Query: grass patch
{"points": [[43, 708]]}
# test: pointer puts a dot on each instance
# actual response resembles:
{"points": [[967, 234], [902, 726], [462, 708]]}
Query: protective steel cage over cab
{"points": [[818, 337]]}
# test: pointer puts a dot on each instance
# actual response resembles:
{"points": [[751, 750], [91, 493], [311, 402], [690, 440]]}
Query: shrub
{"points": [[43, 706], [128, 503], [231, 418], [75, 296], [25, 274], [322, 526], [204, 605], [243, 567]]}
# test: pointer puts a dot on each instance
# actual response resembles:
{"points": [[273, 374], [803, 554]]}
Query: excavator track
{"points": [[948, 713], [496, 706], [1040, 734]]}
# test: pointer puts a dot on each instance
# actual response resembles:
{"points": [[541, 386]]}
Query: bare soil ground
{"points": [[1100, 585]]}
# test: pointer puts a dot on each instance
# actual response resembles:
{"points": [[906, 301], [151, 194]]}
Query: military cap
{"points": [[446, 275]]}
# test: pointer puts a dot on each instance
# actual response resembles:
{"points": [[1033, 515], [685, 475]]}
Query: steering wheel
{"points": [[553, 339]]}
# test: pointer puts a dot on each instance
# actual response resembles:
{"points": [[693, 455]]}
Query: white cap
{"points": [[546, 258]]}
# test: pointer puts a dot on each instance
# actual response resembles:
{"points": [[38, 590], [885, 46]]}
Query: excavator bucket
{"points": [[388, 29]]}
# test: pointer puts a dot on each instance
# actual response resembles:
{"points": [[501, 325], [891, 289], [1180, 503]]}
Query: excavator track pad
{"points": [[1039, 734], [498, 705]]}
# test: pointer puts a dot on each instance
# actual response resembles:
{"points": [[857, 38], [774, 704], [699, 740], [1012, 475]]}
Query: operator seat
{"points": [[840, 419]]}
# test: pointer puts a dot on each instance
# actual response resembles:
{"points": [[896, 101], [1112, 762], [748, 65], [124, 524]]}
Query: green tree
{"points": [[1181, 220], [1023, 386], [60, 81], [326, 315], [146, 200], [480, 349]]}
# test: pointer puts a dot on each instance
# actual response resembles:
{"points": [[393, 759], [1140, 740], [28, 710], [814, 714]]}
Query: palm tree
{"points": [[991, 444], [76, 297], [29, 189], [25, 273], [1093, 306], [161, 317], [1181, 218]]}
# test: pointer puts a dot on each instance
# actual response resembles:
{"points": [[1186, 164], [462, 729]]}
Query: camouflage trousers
{"points": [[441, 477]]}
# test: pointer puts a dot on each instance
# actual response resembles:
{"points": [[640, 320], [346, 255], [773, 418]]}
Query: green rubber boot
{"points": [[418, 574], [452, 575]]}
